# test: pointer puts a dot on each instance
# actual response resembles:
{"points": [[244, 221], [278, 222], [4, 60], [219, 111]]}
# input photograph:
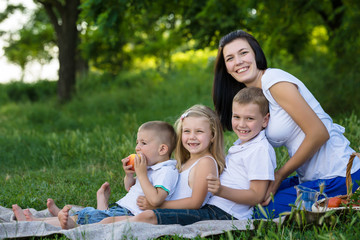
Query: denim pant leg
{"points": [[90, 215], [189, 216]]}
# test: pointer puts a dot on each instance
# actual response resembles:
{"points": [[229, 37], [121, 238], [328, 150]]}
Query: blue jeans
{"points": [[90, 215], [286, 193], [189, 216]]}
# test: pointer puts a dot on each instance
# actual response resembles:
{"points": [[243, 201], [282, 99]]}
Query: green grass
{"points": [[67, 151]]}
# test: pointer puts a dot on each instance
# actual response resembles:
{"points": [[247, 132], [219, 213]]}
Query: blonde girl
{"points": [[199, 152]]}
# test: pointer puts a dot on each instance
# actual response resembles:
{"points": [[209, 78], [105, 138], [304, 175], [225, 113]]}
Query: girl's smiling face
{"points": [[241, 64], [196, 136]]}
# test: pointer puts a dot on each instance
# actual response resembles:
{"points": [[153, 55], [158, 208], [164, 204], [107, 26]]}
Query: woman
{"points": [[318, 150]]}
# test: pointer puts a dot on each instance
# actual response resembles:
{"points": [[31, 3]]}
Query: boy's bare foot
{"points": [[29, 217], [20, 216], [66, 222], [53, 209], [102, 196]]}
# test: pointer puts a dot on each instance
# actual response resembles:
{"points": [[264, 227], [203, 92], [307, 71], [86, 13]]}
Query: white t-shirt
{"points": [[332, 158], [183, 189], [253, 160], [163, 175]]}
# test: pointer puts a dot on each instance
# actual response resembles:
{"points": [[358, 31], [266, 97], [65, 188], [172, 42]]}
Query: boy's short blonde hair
{"points": [[164, 131], [253, 95]]}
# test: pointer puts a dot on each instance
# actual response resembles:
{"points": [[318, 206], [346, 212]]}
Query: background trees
{"points": [[111, 35]]}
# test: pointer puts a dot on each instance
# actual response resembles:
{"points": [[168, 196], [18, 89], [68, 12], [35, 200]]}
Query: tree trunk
{"points": [[64, 19], [67, 42]]}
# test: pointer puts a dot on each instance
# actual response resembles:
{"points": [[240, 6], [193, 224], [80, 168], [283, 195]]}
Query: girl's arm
{"points": [[199, 187], [252, 196], [289, 98]]}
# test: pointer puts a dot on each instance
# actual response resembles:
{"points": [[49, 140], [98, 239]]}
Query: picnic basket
{"points": [[320, 204], [320, 214]]}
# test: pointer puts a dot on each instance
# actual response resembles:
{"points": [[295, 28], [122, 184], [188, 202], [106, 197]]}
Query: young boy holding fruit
{"points": [[156, 178]]}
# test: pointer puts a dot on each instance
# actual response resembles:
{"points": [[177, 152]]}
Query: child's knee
{"points": [[147, 216]]}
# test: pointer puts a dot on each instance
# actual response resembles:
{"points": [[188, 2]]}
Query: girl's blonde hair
{"points": [[216, 146]]}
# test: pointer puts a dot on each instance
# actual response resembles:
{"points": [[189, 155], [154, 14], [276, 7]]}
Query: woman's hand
{"points": [[143, 203], [214, 184], [273, 187]]}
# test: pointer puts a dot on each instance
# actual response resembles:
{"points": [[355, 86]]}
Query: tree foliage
{"points": [[34, 42], [111, 34]]}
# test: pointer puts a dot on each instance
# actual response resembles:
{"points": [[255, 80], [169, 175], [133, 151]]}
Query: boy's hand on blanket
{"points": [[214, 184], [143, 203]]}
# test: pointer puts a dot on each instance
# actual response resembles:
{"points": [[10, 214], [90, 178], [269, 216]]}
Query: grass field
{"points": [[67, 151]]}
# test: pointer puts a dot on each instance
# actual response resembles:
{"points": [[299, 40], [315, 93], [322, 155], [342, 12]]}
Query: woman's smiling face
{"points": [[240, 62]]}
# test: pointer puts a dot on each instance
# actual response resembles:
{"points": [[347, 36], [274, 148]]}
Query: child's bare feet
{"points": [[28, 215], [20, 216], [103, 195], [66, 222], [53, 209]]}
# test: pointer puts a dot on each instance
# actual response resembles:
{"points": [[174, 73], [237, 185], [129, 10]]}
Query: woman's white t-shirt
{"points": [[332, 158]]}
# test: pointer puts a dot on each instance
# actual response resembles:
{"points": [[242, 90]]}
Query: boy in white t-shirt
{"points": [[251, 161], [156, 178]]}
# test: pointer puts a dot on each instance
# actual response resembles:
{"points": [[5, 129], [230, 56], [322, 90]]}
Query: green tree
{"points": [[132, 28], [63, 16], [105, 33], [34, 42]]}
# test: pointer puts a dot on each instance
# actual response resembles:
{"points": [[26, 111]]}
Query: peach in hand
{"points": [[132, 160]]}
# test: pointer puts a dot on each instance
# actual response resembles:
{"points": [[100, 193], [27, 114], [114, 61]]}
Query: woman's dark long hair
{"points": [[225, 86]]}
